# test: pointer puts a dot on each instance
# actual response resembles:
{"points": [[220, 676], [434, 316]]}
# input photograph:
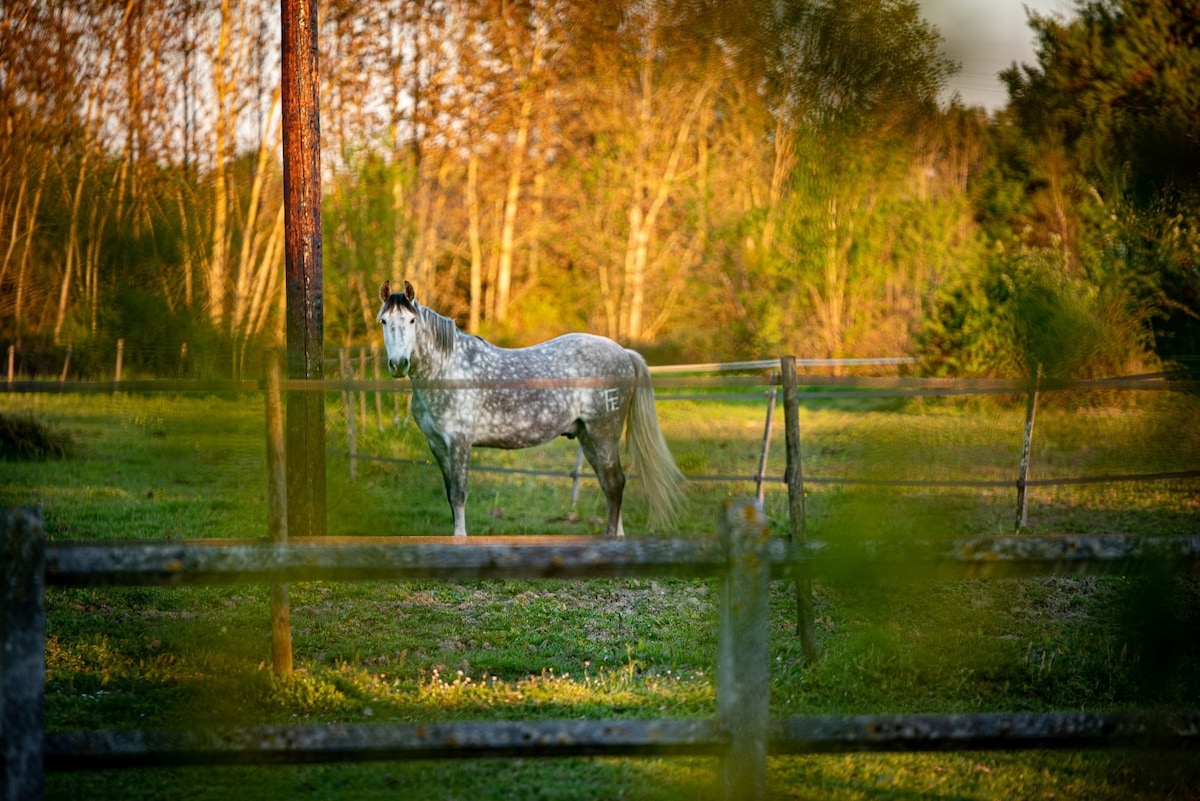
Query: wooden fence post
{"points": [[281, 612], [346, 373], [743, 653], [362, 395], [23, 654], [66, 364], [1026, 449], [378, 363], [120, 361], [576, 475], [760, 477], [798, 532], [12, 363]]}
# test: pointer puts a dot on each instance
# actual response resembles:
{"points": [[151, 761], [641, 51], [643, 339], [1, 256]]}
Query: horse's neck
{"points": [[440, 338]]}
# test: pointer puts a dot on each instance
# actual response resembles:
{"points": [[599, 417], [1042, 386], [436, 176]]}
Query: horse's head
{"points": [[398, 317]]}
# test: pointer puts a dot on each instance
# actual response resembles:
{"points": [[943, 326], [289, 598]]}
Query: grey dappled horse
{"points": [[468, 392]]}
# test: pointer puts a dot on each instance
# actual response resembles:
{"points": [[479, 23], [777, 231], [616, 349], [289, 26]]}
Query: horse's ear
{"points": [[409, 292], [385, 291]]}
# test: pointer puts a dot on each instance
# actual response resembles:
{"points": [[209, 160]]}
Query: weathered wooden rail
{"points": [[741, 734]]}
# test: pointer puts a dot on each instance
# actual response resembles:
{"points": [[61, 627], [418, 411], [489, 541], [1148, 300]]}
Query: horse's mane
{"points": [[443, 328]]}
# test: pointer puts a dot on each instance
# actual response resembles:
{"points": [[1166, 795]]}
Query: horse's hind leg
{"points": [[603, 453]]}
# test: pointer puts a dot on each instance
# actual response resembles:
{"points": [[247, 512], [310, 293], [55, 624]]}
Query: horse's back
{"points": [[518, 397], [572, 355]]}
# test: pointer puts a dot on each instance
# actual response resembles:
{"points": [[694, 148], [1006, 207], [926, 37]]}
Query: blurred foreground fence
{"points": [[741, 734]]}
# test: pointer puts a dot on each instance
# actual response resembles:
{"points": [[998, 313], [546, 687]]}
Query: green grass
{"points": [[410, 652]]}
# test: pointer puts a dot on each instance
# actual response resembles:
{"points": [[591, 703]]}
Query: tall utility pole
{"points": [[302, 244]]}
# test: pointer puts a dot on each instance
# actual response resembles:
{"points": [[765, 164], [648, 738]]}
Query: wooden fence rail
{"points": [[741, 734], [296, 745]]}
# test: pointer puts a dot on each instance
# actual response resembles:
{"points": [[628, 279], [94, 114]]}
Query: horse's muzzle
{"points": [[398, 367]]}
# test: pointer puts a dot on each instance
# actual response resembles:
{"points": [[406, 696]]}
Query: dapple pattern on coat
{"points": [[468, 392]]}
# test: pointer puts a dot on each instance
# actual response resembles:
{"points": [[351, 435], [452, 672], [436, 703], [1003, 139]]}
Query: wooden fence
{"points": [[363, 374], [741, 734]]}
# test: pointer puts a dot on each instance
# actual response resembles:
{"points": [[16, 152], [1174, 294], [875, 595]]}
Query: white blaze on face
{"points": [[399, 334]]}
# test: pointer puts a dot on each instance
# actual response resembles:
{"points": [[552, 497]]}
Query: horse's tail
{"points": [[651, 458]]}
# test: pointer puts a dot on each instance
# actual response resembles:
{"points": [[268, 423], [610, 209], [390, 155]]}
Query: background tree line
{"points": [[705, 180]]}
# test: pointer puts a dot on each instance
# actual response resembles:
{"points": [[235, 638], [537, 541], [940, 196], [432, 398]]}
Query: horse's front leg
{"points": [[454, 458]]}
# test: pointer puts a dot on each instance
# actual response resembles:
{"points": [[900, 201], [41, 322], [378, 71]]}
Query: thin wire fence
{"points": [[367, 396], [672, 381]]}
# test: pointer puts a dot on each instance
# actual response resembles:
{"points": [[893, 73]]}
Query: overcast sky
{"points": [[985, 37]]}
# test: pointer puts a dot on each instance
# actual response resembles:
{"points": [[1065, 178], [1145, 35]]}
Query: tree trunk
{"points": [[250, 262], [472, 200], [642, 223], [74, 249], [511, 198], [226, 121]]}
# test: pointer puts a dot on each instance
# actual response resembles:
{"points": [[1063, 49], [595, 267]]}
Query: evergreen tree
{"points": [[1114, 93]]}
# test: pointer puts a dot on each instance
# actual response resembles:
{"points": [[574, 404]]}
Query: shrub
{"points": [[24, 438], [1029, 313]]}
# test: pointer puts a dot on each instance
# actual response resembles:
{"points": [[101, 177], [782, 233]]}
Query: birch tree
{"points": [[36, 112]]}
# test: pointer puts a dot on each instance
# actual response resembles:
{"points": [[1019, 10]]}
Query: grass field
{"points": [[179, 467]]}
